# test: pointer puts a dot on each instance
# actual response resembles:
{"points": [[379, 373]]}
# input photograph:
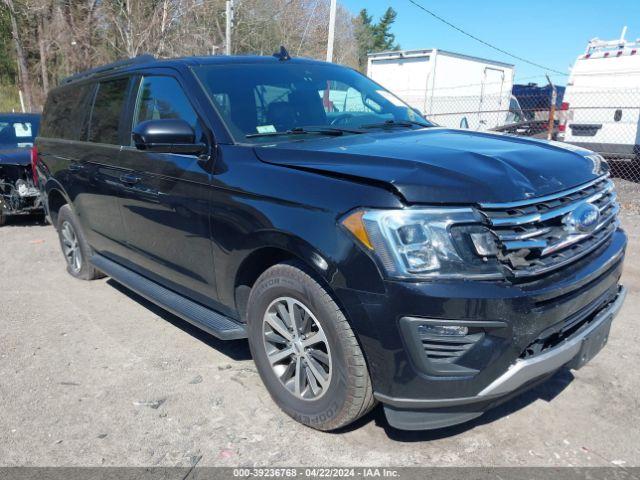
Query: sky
{"points": [[551, 33]]}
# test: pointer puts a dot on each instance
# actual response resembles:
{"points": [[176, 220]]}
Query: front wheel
{"points": [[3, 217], [305, 351]]}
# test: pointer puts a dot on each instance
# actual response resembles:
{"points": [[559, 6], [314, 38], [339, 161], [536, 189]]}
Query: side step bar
{"points": [[202, 317]]}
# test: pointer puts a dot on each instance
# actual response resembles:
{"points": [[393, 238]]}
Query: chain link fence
{"points": [[606, 121]]}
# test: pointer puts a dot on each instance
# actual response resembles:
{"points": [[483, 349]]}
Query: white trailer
{"points": [[452, 89], [601, 107]]}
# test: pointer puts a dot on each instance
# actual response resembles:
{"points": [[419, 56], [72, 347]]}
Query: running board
{"points": [[202, 317]]}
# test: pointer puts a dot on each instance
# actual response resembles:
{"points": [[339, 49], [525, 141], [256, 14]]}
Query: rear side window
{"points": [[107, 111], [162, 98], [66, 112]]}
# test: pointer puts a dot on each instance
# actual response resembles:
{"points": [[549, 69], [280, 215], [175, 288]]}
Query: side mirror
{"points": [[167, 136]]}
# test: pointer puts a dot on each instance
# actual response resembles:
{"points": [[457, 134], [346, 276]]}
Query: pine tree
{"points": [[384, 39], [374, 37]]}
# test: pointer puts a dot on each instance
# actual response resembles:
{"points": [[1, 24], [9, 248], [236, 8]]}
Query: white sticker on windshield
{"points": [[266, 129], [22, 129], [391, 97]]}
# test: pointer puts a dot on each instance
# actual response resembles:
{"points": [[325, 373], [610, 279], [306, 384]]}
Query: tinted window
{"points": [[340, 97], [107, 111], [163, 98], [66, 111], [268, 98], [263, 99]]}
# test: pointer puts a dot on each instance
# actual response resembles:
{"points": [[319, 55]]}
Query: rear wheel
{"points": [[305, 351], [74, 246]]}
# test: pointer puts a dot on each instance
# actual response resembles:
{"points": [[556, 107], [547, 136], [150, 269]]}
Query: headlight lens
{"points": [[427, 243]]}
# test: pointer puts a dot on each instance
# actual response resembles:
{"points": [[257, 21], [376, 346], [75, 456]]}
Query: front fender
{"points": [[335, 259], [351, 277]]}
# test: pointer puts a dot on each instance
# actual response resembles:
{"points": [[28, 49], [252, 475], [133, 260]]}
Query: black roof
{"points": [[148, 61], [231, 59], [19, 116]]}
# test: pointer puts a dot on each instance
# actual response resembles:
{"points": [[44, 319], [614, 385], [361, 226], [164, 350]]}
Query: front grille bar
{"points": [[577, 238], [511, 235], [531, 235], [567, 260], [556, 212]]}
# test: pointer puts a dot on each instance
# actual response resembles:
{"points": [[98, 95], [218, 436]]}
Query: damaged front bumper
{"points": [[18, 194], [572, 353], [442, 353]]}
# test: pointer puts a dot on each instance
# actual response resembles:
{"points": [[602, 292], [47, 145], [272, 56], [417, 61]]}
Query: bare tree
{"points": [[23, 70], [142, 26], [81, 19], [42, 47], [57, 38]]}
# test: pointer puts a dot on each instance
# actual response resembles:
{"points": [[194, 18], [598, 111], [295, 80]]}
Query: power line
{"points": [[446, 22]]}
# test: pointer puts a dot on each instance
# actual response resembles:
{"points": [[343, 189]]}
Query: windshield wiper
{"points": [[396, 123], [334, 131]]}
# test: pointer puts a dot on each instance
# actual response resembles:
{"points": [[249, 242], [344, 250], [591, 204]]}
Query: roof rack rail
{"points": [[109, 68]]}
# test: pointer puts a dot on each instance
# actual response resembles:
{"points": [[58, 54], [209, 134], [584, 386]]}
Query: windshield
{"points": [[257, 101], [17, 132]]}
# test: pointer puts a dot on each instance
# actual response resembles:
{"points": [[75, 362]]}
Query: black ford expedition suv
{"points": [[367, 254]]}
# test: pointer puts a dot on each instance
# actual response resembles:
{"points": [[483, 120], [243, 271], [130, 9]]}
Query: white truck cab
{"points": [[451, 89], [601, 108]]}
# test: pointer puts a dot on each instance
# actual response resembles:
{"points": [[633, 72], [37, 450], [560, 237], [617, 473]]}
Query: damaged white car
{"points": [[19, 194]]}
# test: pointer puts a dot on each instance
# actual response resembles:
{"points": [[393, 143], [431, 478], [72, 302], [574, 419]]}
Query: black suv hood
{"points": [[15, 156], [438, 165]]}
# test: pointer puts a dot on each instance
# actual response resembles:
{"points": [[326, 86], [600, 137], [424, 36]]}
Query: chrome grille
{"points": [[532, 238]]}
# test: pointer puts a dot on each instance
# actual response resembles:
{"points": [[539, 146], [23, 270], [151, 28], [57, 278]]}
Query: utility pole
{"points": [[21, 101], [552, 110], [332, 31], [20, 83], [227, 49]]}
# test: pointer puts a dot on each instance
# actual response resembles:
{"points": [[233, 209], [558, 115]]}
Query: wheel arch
{"points": [[56, 198], [261, 259], [325, 269]]}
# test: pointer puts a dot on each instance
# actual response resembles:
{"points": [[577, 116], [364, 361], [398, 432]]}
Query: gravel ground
{"points": [[628, 194], [91, 374]]}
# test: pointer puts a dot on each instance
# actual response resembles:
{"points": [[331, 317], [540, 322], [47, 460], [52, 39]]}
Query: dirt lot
{"points": [[91, 374]]}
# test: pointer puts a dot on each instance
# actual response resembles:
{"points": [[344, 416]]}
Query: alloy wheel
{"points": [[297, 348], [71, 246]]}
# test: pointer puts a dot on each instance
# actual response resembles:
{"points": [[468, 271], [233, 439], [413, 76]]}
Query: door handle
{"points": [[130, 178], [74, 167]]}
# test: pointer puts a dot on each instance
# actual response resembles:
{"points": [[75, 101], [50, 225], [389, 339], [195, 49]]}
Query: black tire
{"points": [[3, 217], [77, 266], [348, 394]]}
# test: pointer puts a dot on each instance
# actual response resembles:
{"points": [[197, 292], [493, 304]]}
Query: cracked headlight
{"points": [[427, 242]]}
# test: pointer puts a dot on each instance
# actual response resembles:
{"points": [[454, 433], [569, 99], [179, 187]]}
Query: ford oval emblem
{"points": [[583, 219]]}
